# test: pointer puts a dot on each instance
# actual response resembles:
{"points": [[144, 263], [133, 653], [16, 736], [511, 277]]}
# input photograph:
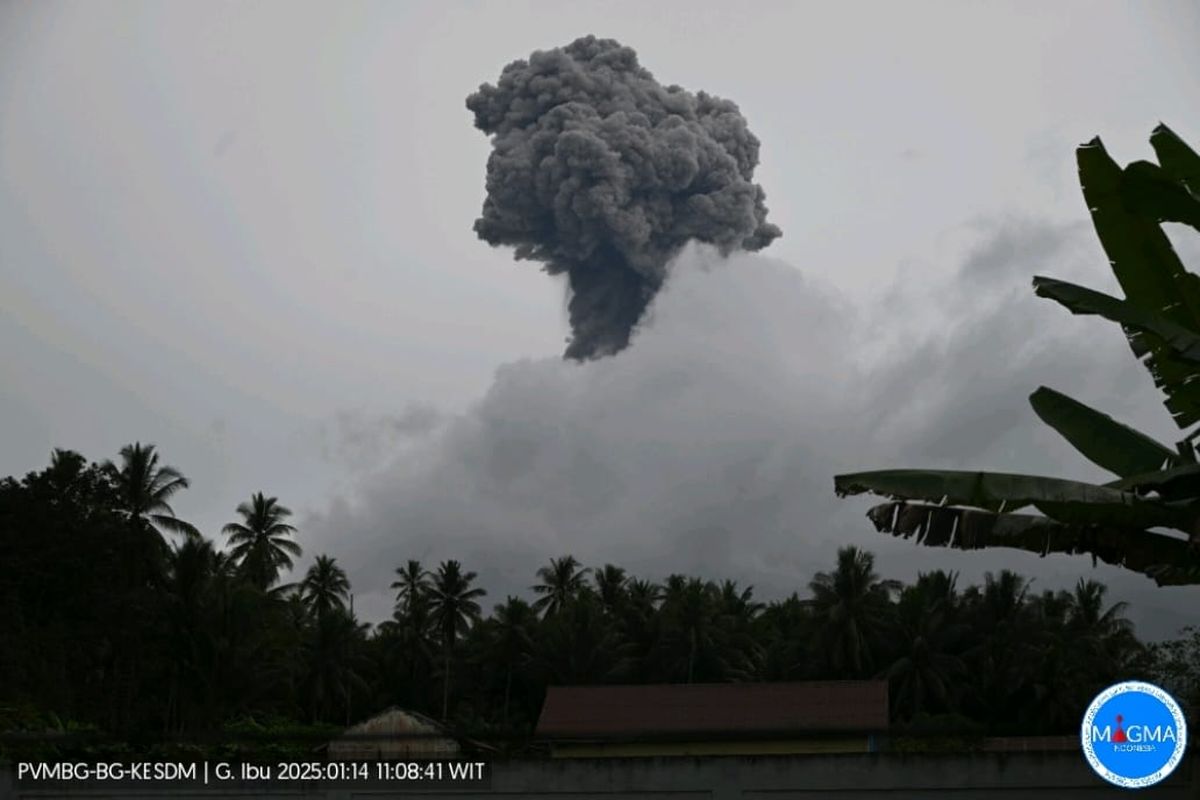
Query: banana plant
{"points": [[1148, 518]]}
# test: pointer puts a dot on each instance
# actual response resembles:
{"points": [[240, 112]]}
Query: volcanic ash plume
{"points": [[601, 172]]}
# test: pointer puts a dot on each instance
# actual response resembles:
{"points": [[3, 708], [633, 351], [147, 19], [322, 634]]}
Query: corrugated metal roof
{"points": [[394, 733], [598, 712]]}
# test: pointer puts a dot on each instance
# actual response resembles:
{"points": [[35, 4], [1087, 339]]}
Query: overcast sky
{"points": [[243, 232]]}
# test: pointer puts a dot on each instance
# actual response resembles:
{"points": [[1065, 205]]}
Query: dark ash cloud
{"points": [[603, 174]]}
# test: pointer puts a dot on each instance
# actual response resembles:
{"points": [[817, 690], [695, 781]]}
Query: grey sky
{"points": [[243, 232]]}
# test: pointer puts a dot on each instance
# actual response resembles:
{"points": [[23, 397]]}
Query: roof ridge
{"points": [[616, 709], [726, 684]]}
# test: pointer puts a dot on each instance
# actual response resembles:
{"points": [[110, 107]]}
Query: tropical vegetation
{"points": [[115, 622], [1147, 518]]}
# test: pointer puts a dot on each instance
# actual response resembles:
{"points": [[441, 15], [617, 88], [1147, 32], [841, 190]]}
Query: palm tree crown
{"points": [[560, 582], [144, 489], [325, 587], [455, 606], [412, 585], [610, 585], [261, 542], [454, 600], [852, 606]]}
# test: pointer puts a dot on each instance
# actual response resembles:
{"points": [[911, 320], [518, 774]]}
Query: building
{"points": [[714, 719], [394, 734]]}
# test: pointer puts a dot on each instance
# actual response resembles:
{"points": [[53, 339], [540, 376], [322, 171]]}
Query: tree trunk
{"points": [[446, 686], [172, 692], [507, 688]]}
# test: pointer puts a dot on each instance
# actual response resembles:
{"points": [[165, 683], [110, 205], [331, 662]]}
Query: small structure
{"points": [[714, 719], [394, 734]]}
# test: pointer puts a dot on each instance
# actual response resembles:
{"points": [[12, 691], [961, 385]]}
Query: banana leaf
{"points": [[1105, 442], [1071, 502], [1183, 341], [1170, 350], [1122, 521], [1142, 258], [1176, 158], [1167, 559], [1177, 483], [990, 490], [1150, 191], [1151, 275]]}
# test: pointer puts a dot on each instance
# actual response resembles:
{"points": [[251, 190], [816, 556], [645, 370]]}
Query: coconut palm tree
{"points": [[335, 664], [1087, 616], [1003, 657], [643, 595], [190, 571], [561, 581], [325, 587], [784, 631], [852, 606], [1062, 677], [929, 640], [696, 642], [936, 589], [411, 647], [925, 672], [610, 586], [455, 607], [413, 582], [640, 623], [512, 640], [67, 478], [581, 644], [261, 541], [737, 612], [1103, 636], [144, 489]]}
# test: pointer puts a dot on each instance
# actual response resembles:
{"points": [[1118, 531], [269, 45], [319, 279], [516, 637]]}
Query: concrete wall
{"points": [[887, 776]]}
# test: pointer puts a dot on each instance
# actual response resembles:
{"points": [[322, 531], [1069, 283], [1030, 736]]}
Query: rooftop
{"points": [[605, 712], [393, 733]]}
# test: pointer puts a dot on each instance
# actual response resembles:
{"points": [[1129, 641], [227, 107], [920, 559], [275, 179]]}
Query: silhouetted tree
{"points": [[413, 582], [455, 607], [559, 584], [262, 541], [194, 644], [325, 587], [853, 612]]}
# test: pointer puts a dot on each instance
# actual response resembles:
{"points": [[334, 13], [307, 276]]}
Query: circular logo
{"points": [[1134, 734]]}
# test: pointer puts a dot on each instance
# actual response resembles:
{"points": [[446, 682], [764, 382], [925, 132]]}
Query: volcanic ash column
{"points": [[602, 173]]}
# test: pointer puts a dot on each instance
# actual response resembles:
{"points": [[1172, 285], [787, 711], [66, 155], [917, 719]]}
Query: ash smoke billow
{"points": [[602, 173]]}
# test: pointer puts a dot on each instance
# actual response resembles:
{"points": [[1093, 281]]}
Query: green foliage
{"points": [[197, 660], [1157, 488], [1176, 667], [261, 541], [1098, 437], [1127, 211], [272, 738]]}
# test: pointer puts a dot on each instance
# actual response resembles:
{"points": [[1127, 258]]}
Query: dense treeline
{"points": [[116, 614]]}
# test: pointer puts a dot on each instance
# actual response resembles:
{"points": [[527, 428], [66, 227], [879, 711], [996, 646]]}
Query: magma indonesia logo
{"points": [[1134, 734]]}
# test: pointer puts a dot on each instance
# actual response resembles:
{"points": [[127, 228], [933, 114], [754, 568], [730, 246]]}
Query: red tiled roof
{"points": [[598, 712]]}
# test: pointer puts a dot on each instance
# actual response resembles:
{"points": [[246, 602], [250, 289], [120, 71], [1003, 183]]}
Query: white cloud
{"points": [[709, 445]]}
